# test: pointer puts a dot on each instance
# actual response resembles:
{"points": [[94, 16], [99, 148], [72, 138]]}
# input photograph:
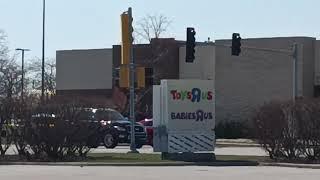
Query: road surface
{"points": [[155, 173]]}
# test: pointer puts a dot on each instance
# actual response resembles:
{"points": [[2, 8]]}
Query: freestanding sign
{"points": [[184, 116]]}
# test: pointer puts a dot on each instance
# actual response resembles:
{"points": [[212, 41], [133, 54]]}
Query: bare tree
{"points": [[3, 45], [151, 26], [149, 29], [10, 84], [34, 69], [9, 71], [9, 87]]}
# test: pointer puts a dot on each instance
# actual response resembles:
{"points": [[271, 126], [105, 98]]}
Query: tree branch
{"points": [[152, 26]]}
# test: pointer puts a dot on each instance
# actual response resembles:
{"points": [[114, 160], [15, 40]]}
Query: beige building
{"points": [[85, 75], [242, 83], [245, 82]]}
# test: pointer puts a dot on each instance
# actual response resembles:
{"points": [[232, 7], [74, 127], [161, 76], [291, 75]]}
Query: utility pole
{"points": [[22, 69], [43, 51]]}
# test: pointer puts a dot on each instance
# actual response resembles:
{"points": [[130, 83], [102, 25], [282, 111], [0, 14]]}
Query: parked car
{"points": [[122, 125], [148, 124], [109, 127], [105, 134], [100, 133]]}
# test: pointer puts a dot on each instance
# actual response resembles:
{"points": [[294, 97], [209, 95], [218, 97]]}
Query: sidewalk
{"points": [[216, 163]]}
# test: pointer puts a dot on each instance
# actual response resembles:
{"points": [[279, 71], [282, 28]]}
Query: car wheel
{"points": [[93, 142], [92, 145], [109, 140]]}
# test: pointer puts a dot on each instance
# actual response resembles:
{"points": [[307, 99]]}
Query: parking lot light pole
{"points": [[43, 50], [22, 73]]}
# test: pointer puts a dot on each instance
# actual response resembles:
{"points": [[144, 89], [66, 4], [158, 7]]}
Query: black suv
{"points": [[123, 126], [99, 132], [105, 133], [109, 127]]}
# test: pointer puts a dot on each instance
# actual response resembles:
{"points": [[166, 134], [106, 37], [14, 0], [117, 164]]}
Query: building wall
{"points": [[242, 83], [166, 59], [246, 82], [84, 69], [203, 65], [307, 54]]}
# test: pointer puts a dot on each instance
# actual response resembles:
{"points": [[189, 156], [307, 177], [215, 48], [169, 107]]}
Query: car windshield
{"points": [[114, 116], [86, 115], [108, 115]]}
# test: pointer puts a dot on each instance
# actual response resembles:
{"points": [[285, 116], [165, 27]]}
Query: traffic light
{"points": [[126, 35], [236, 44], [124, 77], [190, 45], [127, 39], [141, 79]]}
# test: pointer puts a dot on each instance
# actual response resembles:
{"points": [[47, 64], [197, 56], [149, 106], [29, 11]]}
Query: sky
{"points": [[90, 24]]}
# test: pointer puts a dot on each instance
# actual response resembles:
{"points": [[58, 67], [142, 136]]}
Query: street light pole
{"points": [[43, 47], [22, 69]]}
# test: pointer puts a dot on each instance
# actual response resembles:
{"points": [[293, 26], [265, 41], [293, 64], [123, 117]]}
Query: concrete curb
{"points": [[164, 164], [216, 163], [291, 165]]}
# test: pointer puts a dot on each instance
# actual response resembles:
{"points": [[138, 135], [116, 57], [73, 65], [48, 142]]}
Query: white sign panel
{"points": [[190, 105], [184, 116]]}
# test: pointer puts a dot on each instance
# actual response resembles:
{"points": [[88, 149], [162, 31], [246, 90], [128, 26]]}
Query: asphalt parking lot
{"points": [[155, 173]]}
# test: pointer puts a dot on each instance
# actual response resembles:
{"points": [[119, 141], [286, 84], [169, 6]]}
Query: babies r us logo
{"points": [[195, 95]]}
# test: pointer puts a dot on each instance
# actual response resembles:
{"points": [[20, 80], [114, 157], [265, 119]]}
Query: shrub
{"points": [[7, 108], [289, 130], [57, 132], [53, 131]]}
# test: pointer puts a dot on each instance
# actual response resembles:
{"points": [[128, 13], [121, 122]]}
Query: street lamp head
{"points": [[21, 49]]}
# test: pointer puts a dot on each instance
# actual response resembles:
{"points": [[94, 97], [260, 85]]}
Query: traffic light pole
{"points": [[292, 53], [133, 148]]}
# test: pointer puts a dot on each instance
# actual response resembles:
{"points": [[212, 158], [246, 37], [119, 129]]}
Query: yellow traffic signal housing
{"points": [[141, 80], [124, 77], [126, 38]]}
